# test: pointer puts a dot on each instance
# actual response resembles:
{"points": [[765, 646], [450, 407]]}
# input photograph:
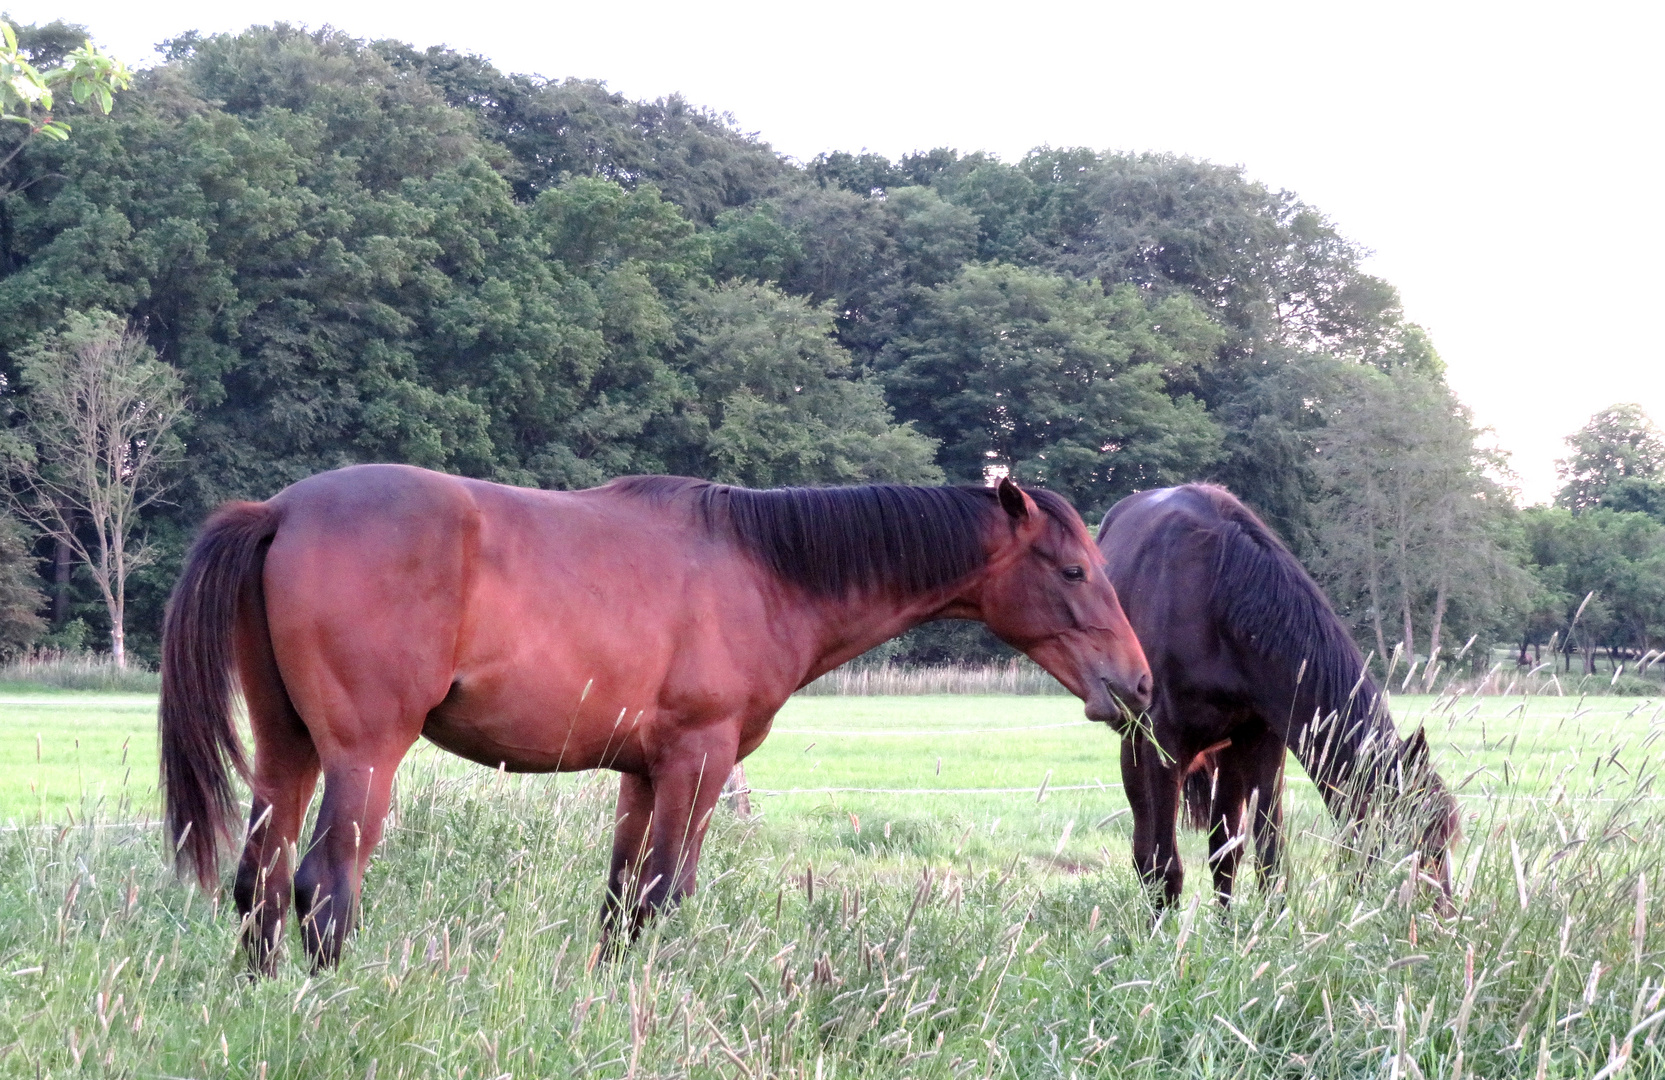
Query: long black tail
{"points": [[199, 745]]}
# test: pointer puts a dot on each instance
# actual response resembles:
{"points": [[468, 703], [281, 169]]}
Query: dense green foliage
{"points": [[356, 252]]}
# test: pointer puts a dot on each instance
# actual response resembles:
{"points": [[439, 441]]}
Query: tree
{"points": [[779, 402], [20, 598], [1056, 381], [26, 92], [1409, 520], [96, 435], [1617, 560], [553, 129], [1636, 495], [1619, 442]]}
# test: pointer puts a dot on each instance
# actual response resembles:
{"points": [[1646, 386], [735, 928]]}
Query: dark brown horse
{"points": [[1249, 660], [652, 626]]}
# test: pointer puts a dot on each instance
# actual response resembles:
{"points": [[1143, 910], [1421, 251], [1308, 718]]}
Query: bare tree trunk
{"points": [[61, 567], [115, 598], [1410, 629], [1374, 574], [1434, 636], [1439, 618], [1403, 527]]}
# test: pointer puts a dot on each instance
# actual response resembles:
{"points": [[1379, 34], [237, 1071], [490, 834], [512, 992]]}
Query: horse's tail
{"points": [[1200, 781], [1199, 798], [199, 745]]}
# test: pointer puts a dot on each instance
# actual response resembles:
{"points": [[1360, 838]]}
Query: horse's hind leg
{"points": [[283, 782], [356, 796], [285, 774]]}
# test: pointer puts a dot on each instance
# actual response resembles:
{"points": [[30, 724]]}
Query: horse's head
{"points": [[1433, 810], [1047, 594]]}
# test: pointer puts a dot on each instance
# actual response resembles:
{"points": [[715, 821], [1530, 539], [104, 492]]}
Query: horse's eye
{"points": [[1074, 573]]}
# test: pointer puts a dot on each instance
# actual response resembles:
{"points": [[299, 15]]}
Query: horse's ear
{"points": [[1416, 748], [1012, 499]]}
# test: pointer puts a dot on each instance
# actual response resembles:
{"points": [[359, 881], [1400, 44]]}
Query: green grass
{"points": [[964, 940], [52, 670], [63, 752]]}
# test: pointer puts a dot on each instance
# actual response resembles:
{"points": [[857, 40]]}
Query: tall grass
{"points": [[57, 670], [1017, 676], [940, 954]]}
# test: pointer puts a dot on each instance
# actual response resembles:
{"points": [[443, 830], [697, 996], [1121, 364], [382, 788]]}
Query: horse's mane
{"points": [[1269, 602], [834, 540]]}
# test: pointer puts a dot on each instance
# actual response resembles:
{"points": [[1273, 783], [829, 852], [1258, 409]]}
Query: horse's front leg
{"points": [[630, 830], [1152, 786], [1225, 823], [1264, 762], [688, 777]]}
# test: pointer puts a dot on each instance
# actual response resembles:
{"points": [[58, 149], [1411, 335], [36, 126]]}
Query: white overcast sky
{"points": [[1502, 161]]}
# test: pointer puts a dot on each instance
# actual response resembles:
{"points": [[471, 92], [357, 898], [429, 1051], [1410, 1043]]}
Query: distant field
{"points": [[97, 753]]}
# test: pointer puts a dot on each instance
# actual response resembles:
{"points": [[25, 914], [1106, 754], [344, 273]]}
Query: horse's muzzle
{"points": [[1120, 701]]}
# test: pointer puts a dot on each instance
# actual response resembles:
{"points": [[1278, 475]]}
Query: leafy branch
{"points": [[27, 94]]}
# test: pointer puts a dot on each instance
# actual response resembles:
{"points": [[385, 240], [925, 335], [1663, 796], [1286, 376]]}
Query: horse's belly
{"points": [[533, 732]]}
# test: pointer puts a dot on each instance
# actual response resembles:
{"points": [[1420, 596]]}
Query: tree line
{"points": [[349, 251]]}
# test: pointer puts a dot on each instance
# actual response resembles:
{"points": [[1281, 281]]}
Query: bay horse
{"points": [[652, 626], [1249, 659]]}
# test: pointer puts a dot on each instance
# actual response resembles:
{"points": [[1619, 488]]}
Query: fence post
{"points": [[736, 793]]}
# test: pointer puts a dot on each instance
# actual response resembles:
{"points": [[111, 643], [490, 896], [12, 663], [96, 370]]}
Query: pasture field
{"points": [[926, 926]]}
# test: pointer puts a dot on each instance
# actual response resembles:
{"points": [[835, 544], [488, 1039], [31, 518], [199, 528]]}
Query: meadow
{"points": [[929, 886]]}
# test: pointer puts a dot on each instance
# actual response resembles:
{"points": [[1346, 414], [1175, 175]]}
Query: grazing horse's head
{"points": [[1047, 594], [1433, 810]]}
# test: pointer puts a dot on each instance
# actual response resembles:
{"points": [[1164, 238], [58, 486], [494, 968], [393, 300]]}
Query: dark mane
{"points": [[835, 540], [1266, 598]]}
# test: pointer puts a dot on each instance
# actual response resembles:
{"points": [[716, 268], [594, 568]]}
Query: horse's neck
{"points": [[1344, 753], [843, 629]]}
